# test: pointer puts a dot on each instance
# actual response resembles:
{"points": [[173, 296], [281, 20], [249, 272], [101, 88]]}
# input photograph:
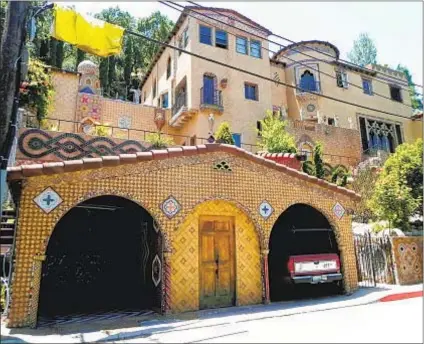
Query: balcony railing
{"points": [[211, 98], [312, 86], [180, 101]]}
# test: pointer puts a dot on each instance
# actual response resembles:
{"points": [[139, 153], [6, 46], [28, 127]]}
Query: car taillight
{"points": [[291, 266], [338, 263]]}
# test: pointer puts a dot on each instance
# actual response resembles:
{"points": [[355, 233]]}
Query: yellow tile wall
{"points": [[192, 180]]}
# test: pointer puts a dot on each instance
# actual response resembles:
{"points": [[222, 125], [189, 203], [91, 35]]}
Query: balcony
{"points": [[180, 102], [305, 87], [180, 112], [211, 100]]}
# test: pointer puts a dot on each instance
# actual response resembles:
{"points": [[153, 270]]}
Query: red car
{"points": [[315, 257], [314, 268]]}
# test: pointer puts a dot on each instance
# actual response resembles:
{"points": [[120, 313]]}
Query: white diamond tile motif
{"points": [[265, 209], [48, 200], [338, 210], [156, 271], [170, 207]]}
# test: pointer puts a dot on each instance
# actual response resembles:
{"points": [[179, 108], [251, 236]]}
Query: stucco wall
{"points": [[192, 180]]}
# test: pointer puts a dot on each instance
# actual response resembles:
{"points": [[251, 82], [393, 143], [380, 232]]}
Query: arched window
{"points": [[307, 82], [168, 68]]}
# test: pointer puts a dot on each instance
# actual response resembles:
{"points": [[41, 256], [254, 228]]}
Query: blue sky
{"points": [[396, 27]]}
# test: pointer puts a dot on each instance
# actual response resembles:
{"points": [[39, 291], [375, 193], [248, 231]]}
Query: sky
{"points": [[395, 27]]}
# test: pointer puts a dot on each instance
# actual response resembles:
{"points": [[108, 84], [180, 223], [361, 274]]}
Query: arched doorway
{"points": [[299, 230], [104, 255]]}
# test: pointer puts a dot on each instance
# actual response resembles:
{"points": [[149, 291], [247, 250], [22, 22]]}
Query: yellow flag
{"points": [[64, 28], [88, 34]]}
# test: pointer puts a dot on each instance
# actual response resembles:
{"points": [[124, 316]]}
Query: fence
{"points": [[374, 260]]}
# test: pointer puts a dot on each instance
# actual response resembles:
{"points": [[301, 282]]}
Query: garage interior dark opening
{"points": [[104, 255], [300, 230]]}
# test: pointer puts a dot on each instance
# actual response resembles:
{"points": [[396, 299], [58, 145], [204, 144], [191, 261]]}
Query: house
{"points": [[194, 88]]}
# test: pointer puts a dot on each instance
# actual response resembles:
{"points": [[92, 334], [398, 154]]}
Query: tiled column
{"points": [[166, 295], [35, 292], [264, 257]]}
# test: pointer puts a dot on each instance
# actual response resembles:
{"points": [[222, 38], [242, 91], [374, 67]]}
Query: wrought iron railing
{"points": [[312, 86], [211, 97], [180, 101]]}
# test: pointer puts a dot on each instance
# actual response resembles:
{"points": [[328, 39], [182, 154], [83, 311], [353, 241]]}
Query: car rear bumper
{"points": [[326, 278]]}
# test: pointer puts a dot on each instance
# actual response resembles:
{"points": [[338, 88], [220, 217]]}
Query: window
{"points": [[185, 37], [307, 82], [306, 150], [330, 121], [367, 86], [251, 91], [241, 45], [395, 93], [259, 128], [154, 88], [180, 44], [379, 135], [399, 134], [237, 139], [168, 68], [221, 39], [165, 100], [341, 79], [255, 49], [205, 35]]}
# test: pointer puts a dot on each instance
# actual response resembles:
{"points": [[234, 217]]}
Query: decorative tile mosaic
{"points": [[48, 200], [156, 270], [199, 189], [408, 255], [338, 210], [265, 209], [170, 207]]}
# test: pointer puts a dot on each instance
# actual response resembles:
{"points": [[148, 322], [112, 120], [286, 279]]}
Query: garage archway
{"points": [[104, 255], [300, 230]]}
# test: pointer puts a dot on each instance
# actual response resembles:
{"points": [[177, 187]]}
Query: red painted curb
{"points": [[401, 296]]}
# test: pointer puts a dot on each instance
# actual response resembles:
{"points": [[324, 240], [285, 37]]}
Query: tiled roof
{"points": [[177, 26], [228, 10], [24, 171], [297, 44]]}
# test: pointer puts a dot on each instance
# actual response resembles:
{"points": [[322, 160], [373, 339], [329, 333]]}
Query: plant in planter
{"points": [[223, 134]]}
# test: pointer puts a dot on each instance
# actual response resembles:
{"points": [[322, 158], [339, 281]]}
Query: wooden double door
{"points": [[217, 277]]}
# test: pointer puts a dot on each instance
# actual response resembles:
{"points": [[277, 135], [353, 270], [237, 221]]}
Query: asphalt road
{"points": [[388, 322]]}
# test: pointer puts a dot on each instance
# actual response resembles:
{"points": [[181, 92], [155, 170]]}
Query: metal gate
{"points": [[374, 260]]}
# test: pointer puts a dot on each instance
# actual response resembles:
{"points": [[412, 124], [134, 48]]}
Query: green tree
{"points": [[364, 51], [223, 134], [318, 162], [398, 192], [274, 137], [416, 100]]}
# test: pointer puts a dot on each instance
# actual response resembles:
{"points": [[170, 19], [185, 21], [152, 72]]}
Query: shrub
{"points": [[158, 141], [223, 134], [274, 137], [397, 195], [319, 164], [37, 93]]}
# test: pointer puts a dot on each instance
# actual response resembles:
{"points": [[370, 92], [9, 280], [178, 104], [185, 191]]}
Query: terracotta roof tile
{"points": [[24, 171]]}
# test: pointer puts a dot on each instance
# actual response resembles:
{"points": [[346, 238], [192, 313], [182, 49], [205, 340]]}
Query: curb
{"points": [[401, 296]]}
